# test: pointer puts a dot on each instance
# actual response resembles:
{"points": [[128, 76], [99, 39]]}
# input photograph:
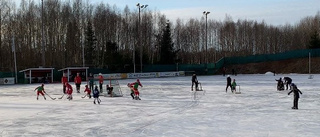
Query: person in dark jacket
{"points": [[96, 95], [194, 82], [288, 82], [228, 83], [296, 96], [280, 85]]}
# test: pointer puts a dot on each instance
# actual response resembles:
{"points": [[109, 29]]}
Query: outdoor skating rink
{"points": [[168, 109]]}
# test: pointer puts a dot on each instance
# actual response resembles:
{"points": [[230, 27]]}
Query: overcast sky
{"points": [[275, 12]]}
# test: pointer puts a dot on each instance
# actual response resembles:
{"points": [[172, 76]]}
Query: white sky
{"points": [[167, 109], [275, 12]]}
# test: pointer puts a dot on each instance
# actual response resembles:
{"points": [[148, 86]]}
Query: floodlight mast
{"points": [[206, 52], [140, 7]]}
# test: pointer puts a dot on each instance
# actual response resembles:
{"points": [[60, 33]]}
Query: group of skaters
{"points": [[91, 90], [280, 86], [289, 86]]}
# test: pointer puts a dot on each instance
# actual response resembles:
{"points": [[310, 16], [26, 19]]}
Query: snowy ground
{"points": [[167, 109]]}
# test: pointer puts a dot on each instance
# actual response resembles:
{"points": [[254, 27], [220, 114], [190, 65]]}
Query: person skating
{"points": [[135, 86], [100, 82], [96, 95], [233, 85], [40, 90], [194, 81], [228, 83], [69, 91], [90, 81], [288, 82], [87, 91], [77, 81], [64, 79], [296, 95], [131, 89]]}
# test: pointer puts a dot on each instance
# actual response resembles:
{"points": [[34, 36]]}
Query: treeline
{"points": [[103, 36]]}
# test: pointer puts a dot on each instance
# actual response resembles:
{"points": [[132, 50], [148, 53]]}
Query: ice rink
{"points": [[168, 109]]}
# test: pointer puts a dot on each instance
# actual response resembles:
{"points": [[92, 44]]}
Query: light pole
{"points": [[42, 42], [141, 47], [206, 14]]}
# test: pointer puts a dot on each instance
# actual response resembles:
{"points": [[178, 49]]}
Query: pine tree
{"points": [[89, 45], [167, 52], [314, 42]]}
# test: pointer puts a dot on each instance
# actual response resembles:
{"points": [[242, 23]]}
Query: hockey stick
{"points": [[62, 96], [49, 96], [84, 96]]}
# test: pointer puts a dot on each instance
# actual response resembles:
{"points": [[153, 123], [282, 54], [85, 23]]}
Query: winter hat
{"points": [[292, 84], [100, 74], [228, 75]]}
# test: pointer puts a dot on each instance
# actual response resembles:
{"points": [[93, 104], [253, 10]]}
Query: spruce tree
{"points": [[167, 52], [90, 41], [314, 42]]}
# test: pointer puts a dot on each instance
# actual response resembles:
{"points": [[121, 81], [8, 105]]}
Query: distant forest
{"points": [[100, 36]]}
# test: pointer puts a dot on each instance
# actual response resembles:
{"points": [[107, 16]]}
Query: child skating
{"points": [[87, 91], [40, 90], [296, 95], [69, 91], [96, 95], [134, 87]]}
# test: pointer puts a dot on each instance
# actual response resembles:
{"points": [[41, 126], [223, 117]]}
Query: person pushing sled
{"points": [[134, 89]]}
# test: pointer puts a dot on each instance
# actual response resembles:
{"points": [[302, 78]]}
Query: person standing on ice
{"points": [[69, 91], [135, 86], [100, 82], [40, 90], [96, 95], [64, 79], [77, 81], [288, 81], [296, 96], [233, 85], [194, 81], [228, 83], [90, 81]]}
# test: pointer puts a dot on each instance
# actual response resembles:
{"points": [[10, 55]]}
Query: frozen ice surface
{"points": [[168, 109]]}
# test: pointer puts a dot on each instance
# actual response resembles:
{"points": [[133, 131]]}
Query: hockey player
{"points": [[228, 83], [90, 81], [100, 82], [132, 91], [96, 95], [40, 90], [296, 96], [69, 91], [77, 81], [64, 79], [109, 90], [194, 81], [87, 91], [135, 86], [233, 85]]}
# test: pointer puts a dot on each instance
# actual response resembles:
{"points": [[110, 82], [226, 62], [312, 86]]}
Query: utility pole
{"points": [[42, 34], [139, 34]]}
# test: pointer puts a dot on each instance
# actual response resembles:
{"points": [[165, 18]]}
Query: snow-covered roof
{"points": [[73, 68], [35, 69]]}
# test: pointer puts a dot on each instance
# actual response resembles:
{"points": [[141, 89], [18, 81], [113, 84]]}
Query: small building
{"points": [[71, 72], [38, 75]]}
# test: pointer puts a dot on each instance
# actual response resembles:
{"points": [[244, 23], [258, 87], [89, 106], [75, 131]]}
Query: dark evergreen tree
{"points": [[314, 42], [90, 41], [167, 51]]}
